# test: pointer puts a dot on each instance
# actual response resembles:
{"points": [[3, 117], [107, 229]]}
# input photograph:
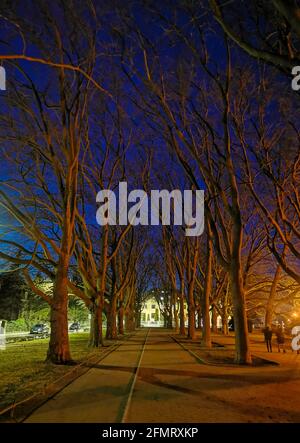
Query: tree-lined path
{"points": [[172, 386]]}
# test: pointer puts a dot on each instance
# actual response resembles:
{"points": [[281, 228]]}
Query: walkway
{"points": [[172, 386]]}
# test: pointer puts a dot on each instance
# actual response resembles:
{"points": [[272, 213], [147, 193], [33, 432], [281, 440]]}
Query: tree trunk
{"points": [[111, 326], [199, 318], [181, 311], [121, 320], [96, 334], [94, 331], [170, 318], [165, 320], [129, 320], [191, 314], [214, 320], [59, 348], [191, 271], [242, 348], [176, 323], [225, 328], [138, 318], [206, 335]]}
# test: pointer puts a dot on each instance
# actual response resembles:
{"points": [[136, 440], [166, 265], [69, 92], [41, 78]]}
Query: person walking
{"points": [[268, 338]]}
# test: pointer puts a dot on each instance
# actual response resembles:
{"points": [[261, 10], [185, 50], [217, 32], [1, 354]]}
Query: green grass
{"points": [[24, 371]]}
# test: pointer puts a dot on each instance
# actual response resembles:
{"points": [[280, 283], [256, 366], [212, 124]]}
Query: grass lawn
{"points": [[24, 371]]}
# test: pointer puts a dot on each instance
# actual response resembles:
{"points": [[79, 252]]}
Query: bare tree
{"points": [[275, 25]]}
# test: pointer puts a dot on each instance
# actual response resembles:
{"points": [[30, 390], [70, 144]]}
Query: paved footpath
{"points": [[173, 387]]}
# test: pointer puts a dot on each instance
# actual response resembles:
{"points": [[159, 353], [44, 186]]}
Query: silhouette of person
{"points": [[280, 339], [268, 338]]}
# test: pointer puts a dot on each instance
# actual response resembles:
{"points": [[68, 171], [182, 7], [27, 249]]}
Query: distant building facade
{"points": [[151, 314]]}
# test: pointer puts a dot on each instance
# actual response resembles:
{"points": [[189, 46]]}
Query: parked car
{"points": [[40, 329], [75, 327]]}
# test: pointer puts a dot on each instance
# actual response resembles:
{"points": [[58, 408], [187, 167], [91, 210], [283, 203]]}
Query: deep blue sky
{"points": [[43, 76]]}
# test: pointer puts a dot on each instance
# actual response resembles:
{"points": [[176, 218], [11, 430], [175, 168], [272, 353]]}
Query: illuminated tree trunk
{"points": [[242, 347], [130, 312], [111, 326], [96, 329], [214, 320], [129, 320], [225, 328], [138, 318], [199, 317], [191, 274], [181, 311], [121, 320], [191, 313], [206, 336], [175, 313], [170, 317], [59, 348]]}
